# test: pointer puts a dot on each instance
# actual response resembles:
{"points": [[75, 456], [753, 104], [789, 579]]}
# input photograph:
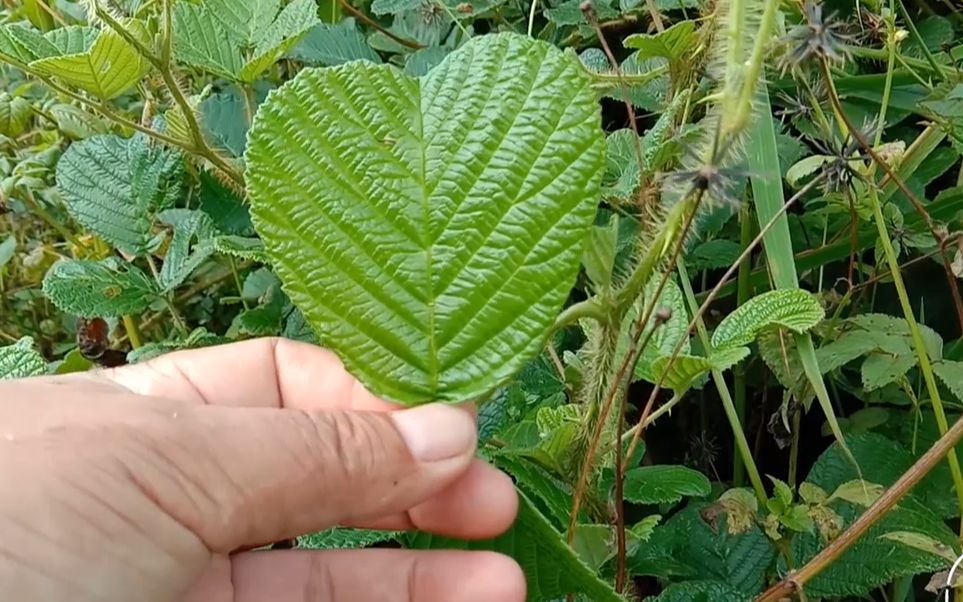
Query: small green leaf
{"points": [[199, 337], [881, 369], [666, 334], [598, 258], [326, 45], [686, 369], [113, 186], [292, 22], [795, 309], [664, 484], [594, 544], [191, 245], [951, 374], [432, 254], [340, 538], [552, 569], [7, 248], [98, 289], [15, 115], [858, 492], [673, 44], [244, 248], [805, 167], [200, 41], [21, 360], [923, 543], [389, 7], [782, 493], [108, 69]]}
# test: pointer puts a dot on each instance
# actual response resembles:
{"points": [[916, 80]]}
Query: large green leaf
{"points": [[430, 229], [795, 309], [21, 360], [108, 68], [551, 568], [98, 289], [113, 186], [15, 114]]}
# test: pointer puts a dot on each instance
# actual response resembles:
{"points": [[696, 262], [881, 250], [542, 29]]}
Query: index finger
{"points": [[265, 372]]}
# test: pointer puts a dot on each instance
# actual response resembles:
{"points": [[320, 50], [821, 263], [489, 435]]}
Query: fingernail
{"points": [[436, 432]]}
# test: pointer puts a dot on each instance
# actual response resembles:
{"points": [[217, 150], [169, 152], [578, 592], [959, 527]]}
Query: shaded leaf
{"points": [[98, 289], [552, 569], [664, 484], [340, 538], [191, 245], [113, 186], [329, 45]]}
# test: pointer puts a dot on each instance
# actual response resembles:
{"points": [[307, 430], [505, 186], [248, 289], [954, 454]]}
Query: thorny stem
{"points": [[747, 457], [797, 579]]}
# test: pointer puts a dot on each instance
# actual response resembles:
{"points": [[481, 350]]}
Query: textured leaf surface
{"points": [[193, 242], [431, 252], [21, 360], [551, 568], [292, 22], [108, 69], [113, 186], [201, 42], [795, 309], [15, 114], [664, 484], [327, 45], [686, 369], [873, 560], [344, 539], [98, 289], [702, 591]]}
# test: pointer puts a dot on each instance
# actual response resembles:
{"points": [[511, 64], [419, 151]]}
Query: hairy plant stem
{"points": [[736, 420], [165, 66], [743, 293], [760, 492], [754, 68], [795, 581]]}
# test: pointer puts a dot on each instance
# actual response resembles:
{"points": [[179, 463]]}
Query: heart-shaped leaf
{"points": [[430, 229]]}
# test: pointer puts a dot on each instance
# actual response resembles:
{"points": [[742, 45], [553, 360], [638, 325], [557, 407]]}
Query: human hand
{"points": [[143, 483]]}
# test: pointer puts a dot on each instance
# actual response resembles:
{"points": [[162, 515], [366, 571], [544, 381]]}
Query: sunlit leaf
{"points": [[431, 253], [21, 360]]}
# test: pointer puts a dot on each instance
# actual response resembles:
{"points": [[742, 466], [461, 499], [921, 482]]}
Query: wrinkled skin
{"points": [[149, 482]]}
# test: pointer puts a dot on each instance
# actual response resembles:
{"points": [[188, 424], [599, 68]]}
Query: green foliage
{"points": [[551, 567], [103, 288], [21, 360], [664, 484], [427, 335], [115, 187], [467, 215]]}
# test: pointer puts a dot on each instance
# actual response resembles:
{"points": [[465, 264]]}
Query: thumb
{"points": [[243, 476]]}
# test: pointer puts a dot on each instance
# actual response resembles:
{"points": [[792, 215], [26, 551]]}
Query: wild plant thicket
{"points": [[697, 260]]}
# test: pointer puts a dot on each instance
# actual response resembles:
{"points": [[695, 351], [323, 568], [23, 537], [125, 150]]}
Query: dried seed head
{"points": [[818, 38]]}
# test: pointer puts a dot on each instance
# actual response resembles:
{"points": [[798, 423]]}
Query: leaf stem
{"points": [[133, 333], [743, 293], [378, 26]]}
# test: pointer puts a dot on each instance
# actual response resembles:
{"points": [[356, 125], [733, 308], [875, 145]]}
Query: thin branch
{"points": [[372, 23], [795, 581]]}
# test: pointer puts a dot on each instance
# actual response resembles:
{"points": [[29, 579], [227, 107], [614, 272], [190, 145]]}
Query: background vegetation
{"points": [[752, 390]]}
